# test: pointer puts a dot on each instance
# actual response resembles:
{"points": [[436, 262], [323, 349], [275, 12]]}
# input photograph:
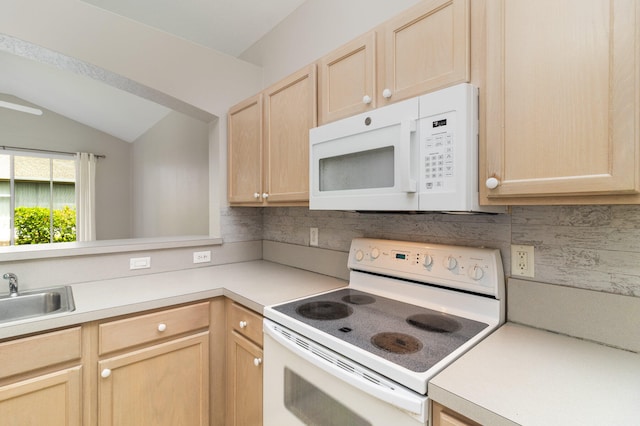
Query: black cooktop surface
{"points": [[408, 335]]}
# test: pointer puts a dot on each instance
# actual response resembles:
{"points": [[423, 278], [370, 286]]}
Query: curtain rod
{"points": [[47, 151]]}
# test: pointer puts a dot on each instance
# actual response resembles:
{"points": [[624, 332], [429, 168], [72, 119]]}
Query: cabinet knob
{"points": [[265, 195], [386, 93], [162, 327], [366, 99], [105, 373], [256, 195], [243, 324], [257, 362], [492, 183]]}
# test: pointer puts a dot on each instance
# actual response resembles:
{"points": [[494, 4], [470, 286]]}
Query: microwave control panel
{"points": [[438, 153]]}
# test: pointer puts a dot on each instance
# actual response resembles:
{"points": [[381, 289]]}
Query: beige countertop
{"points": [[255, 284], [521, 375]]}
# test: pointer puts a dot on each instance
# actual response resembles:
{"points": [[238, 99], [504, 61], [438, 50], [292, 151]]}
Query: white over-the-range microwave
{"points": [[420, 154]]}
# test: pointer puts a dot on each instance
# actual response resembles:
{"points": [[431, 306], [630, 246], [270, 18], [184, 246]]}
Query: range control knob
{"points": [[375, 253], [476, 272], [450, 263], [359, 255], [428, 260]]}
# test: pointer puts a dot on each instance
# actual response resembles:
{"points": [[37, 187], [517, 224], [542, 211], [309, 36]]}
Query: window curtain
{"points": [[85, 197]]}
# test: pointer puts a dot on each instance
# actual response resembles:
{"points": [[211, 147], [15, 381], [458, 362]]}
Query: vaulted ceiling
{"points": [[228, 26]]}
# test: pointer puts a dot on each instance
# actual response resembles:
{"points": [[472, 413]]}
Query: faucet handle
{"points": [[13, 283]]}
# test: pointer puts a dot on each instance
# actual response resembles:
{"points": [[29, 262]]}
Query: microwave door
{"points": [[372, 170]]}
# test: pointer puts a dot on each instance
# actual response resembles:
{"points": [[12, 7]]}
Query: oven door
{"points": [[307, 384], [366, 162]]}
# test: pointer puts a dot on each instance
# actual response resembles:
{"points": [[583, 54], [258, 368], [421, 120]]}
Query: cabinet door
{"points": [[244, 382], [425, 48], [165, 384], [52, 400], [442, 416], [561, 98], [245, 152], [290, 111], [347, 80]]}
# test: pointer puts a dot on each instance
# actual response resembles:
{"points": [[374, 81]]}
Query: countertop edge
{"points": [[244, 282], [526, 375], [466, 407]]}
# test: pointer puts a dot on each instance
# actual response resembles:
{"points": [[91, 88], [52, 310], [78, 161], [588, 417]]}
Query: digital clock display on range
{"points": [[400, 255]]}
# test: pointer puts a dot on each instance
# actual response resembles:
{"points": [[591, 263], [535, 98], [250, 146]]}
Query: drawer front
{"points": [[246, 322], [30, 353], [124, 333]]}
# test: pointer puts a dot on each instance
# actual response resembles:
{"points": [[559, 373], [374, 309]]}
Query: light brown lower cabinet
{"points": [[244, 366], [41, 379], [443, 416], [164, 367], [164, 382]]}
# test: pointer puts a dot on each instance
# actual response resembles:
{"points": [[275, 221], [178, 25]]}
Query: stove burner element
{"points": [[433, 322], [397, 343], [359, 299], [324, 310]]}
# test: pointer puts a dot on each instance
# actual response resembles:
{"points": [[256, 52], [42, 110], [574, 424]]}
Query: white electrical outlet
{"points": [[202, 256], [522, 261], [140, 263], [313, 237]]}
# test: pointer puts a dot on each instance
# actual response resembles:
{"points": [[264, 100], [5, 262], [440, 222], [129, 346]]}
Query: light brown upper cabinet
{"points": [[268, 143], [424, 48], [562, 102], [347, 80], [245, 151]]}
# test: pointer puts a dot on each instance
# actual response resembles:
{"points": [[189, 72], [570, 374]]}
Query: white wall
{"points": [[55, 132], [171, 179], [315, 29]]}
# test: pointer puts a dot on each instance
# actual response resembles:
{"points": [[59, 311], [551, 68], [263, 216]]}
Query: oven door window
{"points": [[313, 406], [360, 170]]}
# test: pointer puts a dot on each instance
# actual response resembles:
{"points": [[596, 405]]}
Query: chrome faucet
{"points": [[13, 283]]}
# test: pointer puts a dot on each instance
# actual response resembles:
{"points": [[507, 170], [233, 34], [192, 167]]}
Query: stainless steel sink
{"points": [[36, 303]]}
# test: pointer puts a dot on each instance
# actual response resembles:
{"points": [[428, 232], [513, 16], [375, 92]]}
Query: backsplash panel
{"points": [[591, 247]]}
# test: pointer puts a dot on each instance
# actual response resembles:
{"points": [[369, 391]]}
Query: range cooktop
{"points": [[411, 336]]}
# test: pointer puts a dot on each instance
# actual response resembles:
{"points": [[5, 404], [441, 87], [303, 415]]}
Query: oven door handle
{"points": [[348, 371]]}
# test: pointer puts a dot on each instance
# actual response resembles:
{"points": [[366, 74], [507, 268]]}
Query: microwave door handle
{"points": [[406, 184]]}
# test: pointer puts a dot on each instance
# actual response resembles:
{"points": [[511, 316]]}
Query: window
{"points": [[37, 199]]}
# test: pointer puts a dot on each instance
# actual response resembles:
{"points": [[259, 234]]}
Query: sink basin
{"points": [[35, 303]]}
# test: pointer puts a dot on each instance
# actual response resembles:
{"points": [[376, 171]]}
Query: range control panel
{"points": [[474, 269]]}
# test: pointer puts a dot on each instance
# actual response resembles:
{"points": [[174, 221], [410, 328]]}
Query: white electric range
{"points": [[410, 309]]}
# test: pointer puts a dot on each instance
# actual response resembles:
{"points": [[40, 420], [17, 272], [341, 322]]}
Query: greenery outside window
{"points": [[37, 199]]}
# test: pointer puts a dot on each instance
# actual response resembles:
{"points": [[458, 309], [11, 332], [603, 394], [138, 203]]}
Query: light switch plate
{"points": [[313, 237]]}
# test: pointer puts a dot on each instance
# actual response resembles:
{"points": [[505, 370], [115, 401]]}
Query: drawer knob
{"points": [[256, 195], [386, 93], [162, 327], [243, 324], [257, 362], [105, 373], [366, 99]]}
